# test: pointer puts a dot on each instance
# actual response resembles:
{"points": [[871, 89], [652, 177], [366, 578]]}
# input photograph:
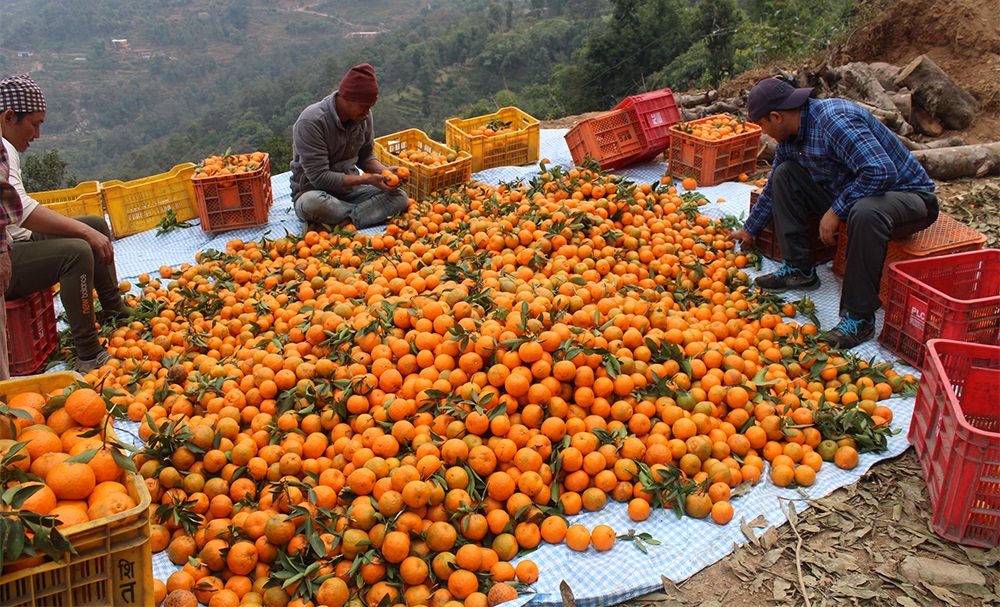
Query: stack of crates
{"points": [[956, 434], [613, 139], [656, 112], [943, 237], [954, 297]]}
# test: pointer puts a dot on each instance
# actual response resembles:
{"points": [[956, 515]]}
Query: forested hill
{"points": [[137, 86]]}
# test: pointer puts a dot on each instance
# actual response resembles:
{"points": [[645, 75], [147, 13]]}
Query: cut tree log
{"points": [[948, 142], [934, 91], [891, 118], [964, 161], [903, 102], [859, 82], [693, 99], [886, 74], [925, 124]]}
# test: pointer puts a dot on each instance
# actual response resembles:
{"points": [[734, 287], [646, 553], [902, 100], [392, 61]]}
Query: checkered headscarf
{"points": [[21, 94]]}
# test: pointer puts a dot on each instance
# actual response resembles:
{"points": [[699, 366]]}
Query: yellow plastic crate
{"points": [[84, 199], [113, 564], [139, 205], [514, 148], [423, 179]]}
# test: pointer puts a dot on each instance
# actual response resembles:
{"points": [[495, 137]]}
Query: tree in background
{"points": [[637, 39], [717, 22], [44, 172], [793, 29]]}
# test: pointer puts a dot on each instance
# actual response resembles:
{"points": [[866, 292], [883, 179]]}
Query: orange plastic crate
{"points": [[768, 242], [713, 162], [423, 179], [31, 331], [230, 202], [613, 139], [946, 235], [517, 147]]}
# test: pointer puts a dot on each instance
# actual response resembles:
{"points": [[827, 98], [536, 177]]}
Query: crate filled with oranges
{"points": [[714, 149], [233, 191], [432, 166], [71, 484], [508, 137]]}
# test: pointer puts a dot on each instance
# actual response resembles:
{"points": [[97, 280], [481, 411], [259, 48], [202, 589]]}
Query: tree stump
{"points": [[934, 91]]}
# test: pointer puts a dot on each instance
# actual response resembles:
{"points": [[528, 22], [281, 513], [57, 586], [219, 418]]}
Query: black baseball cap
{"points": [[774, 94]]}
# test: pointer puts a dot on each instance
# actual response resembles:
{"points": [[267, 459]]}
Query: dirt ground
{"points": [[871, 543]]}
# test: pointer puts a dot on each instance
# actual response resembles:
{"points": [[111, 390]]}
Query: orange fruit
{"points": [[86, 407], [501, 593], [71, 480], [110, 504]]}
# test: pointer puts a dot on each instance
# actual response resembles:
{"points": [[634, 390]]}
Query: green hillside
{"points": [[198, 77]]}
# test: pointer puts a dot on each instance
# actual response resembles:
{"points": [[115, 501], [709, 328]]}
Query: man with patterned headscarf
{"points": [[46, 247]]}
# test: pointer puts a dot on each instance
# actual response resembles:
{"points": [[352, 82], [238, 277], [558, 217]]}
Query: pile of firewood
{"points": [[918, 101]]}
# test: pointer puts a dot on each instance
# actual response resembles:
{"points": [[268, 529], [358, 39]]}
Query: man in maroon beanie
{"points": [[331, 140]]}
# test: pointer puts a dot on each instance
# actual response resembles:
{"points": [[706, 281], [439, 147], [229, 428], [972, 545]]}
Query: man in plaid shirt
{"points": [[10, 213], [835, 160]]}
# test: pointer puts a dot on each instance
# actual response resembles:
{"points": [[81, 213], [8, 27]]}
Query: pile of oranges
{"points": [[386, 420], [229, 164], [492, 128], [426, 157]]}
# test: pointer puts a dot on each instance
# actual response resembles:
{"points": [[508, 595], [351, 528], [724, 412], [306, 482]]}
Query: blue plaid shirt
{"points": [[849, 154]]}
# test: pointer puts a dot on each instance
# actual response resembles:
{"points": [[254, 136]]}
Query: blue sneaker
{"points": [[788, 277], [851, 332]]}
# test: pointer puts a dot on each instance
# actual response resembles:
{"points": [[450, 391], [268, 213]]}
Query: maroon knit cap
{"points": [[359, 85]]}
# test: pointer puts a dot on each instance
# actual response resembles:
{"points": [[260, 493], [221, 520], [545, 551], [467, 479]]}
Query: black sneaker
{"points": [[787, 278], [850, 332]]}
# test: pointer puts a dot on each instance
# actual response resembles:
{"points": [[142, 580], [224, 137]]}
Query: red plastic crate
{"points": [[768, 242], [31, 332], [945, 235], [956, 433], [230, 202], [950, 297], [713, 161], [614, 139], [657, 111]]}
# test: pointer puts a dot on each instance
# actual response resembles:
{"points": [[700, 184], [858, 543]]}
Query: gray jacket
{"points": [[324, 149]]}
